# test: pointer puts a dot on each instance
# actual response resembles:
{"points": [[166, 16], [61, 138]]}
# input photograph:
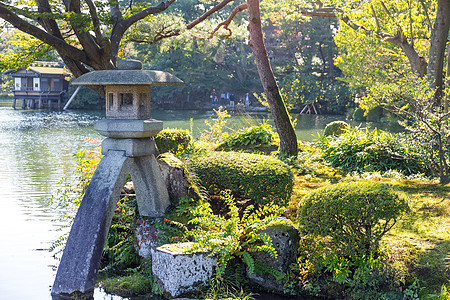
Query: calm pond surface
{"points": [[37, 150]]}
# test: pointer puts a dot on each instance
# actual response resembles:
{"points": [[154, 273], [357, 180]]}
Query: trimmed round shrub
{"points": [[336, 128], [355, 215], [261, 178], [172, 140]]}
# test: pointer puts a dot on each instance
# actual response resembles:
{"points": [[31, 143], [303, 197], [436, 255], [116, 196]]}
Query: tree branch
{"points": [[59, 44], [88, 42], [227, 22], [145, 13], [208, 13], [426, 15], [376, 18], [96, 23], [121, 25], [417, 62]]}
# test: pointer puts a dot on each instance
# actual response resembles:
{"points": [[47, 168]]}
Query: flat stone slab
{"points": [[128, 129], [176, 272], [132, 147]]}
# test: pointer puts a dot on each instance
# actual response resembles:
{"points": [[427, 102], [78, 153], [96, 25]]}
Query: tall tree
{"points": [[283, 124]]}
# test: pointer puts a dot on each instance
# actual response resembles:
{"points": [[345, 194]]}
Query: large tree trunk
{"points": [[288, 139], [438, 42]]}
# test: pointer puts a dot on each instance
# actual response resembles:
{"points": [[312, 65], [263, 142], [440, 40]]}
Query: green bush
{"points": [[336, 128], [355, 215], [172, 140], [375, 114], [261, 134], [358, 115], [247, 176], [361, 150], [331, 276]]}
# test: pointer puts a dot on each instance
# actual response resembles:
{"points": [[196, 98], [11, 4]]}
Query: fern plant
{"points": [[229, 237]]}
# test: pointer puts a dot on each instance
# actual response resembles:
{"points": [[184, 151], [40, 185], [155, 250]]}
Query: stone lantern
{"points": [[128, 149]]}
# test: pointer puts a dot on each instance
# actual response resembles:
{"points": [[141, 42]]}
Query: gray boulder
{"points": [[175, 176], [285, 239]]}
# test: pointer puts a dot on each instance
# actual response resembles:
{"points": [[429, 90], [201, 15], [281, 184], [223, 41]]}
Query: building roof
{"points": [[50, 70], [41, 71]]}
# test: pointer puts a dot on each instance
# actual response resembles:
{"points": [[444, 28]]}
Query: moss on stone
{"points": [[181, 248], [127, 286]]}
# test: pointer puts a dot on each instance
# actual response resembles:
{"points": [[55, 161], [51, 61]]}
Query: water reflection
{"points": [[37, 150]]}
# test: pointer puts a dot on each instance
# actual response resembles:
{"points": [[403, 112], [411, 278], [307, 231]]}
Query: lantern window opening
{"points": [[143, 97], [110, 105], [126, 99]]}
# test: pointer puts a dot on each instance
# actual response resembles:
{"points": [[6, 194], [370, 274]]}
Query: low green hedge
{"points": [[261, 178], [172, 140], [354, 214]]}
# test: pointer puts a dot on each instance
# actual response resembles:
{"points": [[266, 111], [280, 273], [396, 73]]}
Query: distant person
{"points": [[232, 100], [222, 98], [247, 100], [213, 96]]}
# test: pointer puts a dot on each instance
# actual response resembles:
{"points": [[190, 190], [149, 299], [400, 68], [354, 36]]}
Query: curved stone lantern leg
{"points": [[79, 264]]}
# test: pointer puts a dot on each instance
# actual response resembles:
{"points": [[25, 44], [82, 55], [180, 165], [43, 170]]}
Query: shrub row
{"points": [[247, 176]]}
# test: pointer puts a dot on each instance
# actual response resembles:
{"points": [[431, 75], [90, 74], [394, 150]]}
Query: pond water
{"points": [[37, 150]]}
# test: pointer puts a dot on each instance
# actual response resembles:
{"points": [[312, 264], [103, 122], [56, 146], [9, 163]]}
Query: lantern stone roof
{"points": [[127, 77]]}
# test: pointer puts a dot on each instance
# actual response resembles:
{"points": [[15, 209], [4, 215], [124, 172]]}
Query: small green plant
{"points": [[336, 128], [324, 272], [261, 134], [119, 247], [173, 140], [214, 131], [355, 215], [261, 178], [69, 196], [232, 237], [362, 150]]}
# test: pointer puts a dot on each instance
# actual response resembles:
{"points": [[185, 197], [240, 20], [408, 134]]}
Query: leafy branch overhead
{"points": [[398, 38], [85, 35]]}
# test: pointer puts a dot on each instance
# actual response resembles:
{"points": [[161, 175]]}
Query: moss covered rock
{"points": [[269, 270]]}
